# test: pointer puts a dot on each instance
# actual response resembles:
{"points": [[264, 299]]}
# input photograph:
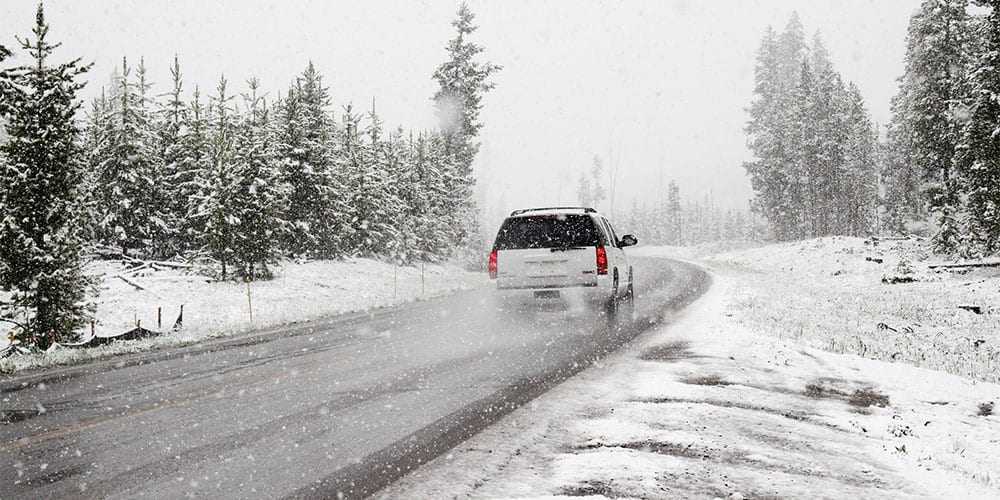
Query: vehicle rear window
{"points": [[547, 231]]}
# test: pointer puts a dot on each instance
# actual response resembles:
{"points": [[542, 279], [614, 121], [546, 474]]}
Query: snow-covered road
{"points": [[337, 406]]}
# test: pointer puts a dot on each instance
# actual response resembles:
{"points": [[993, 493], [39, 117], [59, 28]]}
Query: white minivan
{"points": [[560, 251]]}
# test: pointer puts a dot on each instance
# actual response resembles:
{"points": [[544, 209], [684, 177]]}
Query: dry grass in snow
{"points": [[880, 301]]}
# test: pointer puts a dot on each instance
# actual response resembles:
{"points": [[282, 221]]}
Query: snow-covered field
{"points": [[300, 291], [731, 402], [832, 293]]}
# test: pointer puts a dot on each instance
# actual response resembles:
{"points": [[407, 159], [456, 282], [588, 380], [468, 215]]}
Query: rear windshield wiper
{"points": [[563, 249]]}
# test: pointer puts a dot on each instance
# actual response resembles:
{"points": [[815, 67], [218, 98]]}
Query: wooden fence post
{"points": [[249, 302]]}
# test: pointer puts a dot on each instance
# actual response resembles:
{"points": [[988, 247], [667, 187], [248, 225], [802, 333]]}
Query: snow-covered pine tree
{"points": [[598, 193], [828, 177], [162, 237], [931, 87], [903, 200], [400, 191], [128, 172], [799, 196], [436, 233], [170, 121], [675, 235], [417, 195], [373, 202], [306, 142], [861, 168], [447, 201], [584, 191], [463, 81], [40, 179], [191, 171], [767, 132], [217, 204], [95, 132], [255, 193], [980, 155]]}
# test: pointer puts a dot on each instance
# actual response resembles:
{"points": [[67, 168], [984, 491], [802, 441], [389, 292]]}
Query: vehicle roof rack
{"points": [[587, 210]]}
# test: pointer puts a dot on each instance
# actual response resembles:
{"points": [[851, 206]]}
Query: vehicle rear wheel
{"points": [[613, 303], [626, 311]]}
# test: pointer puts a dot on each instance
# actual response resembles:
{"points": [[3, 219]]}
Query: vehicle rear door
{"points": [[547, 251]]}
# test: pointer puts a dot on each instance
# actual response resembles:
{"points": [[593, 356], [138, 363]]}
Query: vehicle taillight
{"points": [[493, 265], [602, 261]]}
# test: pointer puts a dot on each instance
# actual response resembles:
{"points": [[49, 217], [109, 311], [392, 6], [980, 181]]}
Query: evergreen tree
{"points": [[217, 201], [98, 121], [128, 172], [462, 81], [255, 193], [829, 177], [590, 192], [374, 202], [191, 172], [162, 237], [436, 230], [861, 167], [419, 194], [176, 171], [40, 178], [675, 234], [980, 155], [812, 141], [305, 145], [903, 200], [400, 192], [931, 87], [767, 136], [803, 144]]}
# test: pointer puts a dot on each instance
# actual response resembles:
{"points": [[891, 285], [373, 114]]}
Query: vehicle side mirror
{"points": [[628, 240]]}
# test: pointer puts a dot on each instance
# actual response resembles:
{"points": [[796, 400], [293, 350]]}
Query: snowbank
{"points": [[300, 292], [709, 408]]}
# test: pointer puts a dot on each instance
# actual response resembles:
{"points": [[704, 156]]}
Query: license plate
{"points": [[547, 294]]}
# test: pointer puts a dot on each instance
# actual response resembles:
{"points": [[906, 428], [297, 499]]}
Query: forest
{"points": [[821, 167], [227, 177]]}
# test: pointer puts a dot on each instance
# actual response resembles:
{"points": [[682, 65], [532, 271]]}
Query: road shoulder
{"points": [[706, 408]]}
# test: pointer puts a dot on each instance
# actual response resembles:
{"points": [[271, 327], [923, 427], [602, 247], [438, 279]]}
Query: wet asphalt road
{"points": [[339, 406]]}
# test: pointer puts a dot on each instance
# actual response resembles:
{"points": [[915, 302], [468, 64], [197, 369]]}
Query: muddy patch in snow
{"points": [[592, 488], [658, 447], [799, 416], [868, 397], [669, 352], [706, 380], [738, 458], [859, 397]]}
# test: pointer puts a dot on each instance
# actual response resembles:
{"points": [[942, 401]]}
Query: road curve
{"points": [[342, 406]]}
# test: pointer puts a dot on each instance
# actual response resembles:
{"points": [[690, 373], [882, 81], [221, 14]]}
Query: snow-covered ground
{"points": [[832, 293], [725, 402], [300, 291]]}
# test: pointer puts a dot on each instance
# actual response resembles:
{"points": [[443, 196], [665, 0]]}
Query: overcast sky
{"points": [[659, 86]]}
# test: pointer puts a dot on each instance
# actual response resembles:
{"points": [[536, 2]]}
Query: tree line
{"points": [[238, 179], [671, 220], [942, 148], [815, 166], [819, 167]]}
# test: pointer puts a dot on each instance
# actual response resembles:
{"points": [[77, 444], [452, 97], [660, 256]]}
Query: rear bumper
{"points": [[593, 293], [545, 287]]}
